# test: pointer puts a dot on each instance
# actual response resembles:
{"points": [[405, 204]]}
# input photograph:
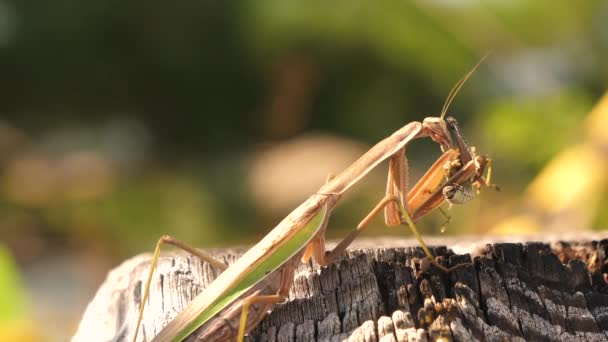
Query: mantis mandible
{"points": [[235, 302]]}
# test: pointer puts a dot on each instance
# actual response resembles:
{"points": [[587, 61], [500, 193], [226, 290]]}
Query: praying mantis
{"points": [[235, 302]]}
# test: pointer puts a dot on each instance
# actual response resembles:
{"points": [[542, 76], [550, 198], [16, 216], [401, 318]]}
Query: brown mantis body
{"points": [[238, 299]]}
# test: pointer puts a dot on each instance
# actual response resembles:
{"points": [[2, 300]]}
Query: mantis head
{"points": [[436, 128]]}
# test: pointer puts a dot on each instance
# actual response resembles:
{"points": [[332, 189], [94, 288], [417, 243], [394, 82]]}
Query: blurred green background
{"points": [[121, 121]]}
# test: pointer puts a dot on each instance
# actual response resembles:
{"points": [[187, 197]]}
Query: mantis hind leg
{"points": [[269, 299], [166, 239]]}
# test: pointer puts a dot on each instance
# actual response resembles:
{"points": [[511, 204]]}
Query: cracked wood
{"points": [[513, 291]]}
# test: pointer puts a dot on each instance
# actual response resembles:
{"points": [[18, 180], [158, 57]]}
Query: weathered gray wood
{"points": [[513, 291]]}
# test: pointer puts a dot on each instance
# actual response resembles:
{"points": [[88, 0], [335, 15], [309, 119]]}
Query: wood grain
{"points": [[529, 291]]}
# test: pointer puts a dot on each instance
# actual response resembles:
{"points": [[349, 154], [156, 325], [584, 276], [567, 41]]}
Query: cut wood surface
{"points": [[554, 290]]}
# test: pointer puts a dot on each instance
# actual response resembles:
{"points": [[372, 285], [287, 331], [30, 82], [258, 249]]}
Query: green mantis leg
{"points": [[269, 299], [166, 239]]}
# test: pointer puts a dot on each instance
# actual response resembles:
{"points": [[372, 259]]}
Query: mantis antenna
{"points": [[458, 85]]}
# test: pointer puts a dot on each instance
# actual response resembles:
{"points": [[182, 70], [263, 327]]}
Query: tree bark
{"points": [[512, 291]]}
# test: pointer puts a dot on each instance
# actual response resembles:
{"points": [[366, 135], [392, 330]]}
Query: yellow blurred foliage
{"points": [[567, 192], [19, 331]]}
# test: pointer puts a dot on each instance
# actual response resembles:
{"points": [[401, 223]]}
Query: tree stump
{"points": [[528, 291]]}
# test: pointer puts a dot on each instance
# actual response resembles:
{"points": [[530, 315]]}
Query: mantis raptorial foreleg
{"points": [[460, 193], [397, 182], [397, 209], [396, 186]]}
